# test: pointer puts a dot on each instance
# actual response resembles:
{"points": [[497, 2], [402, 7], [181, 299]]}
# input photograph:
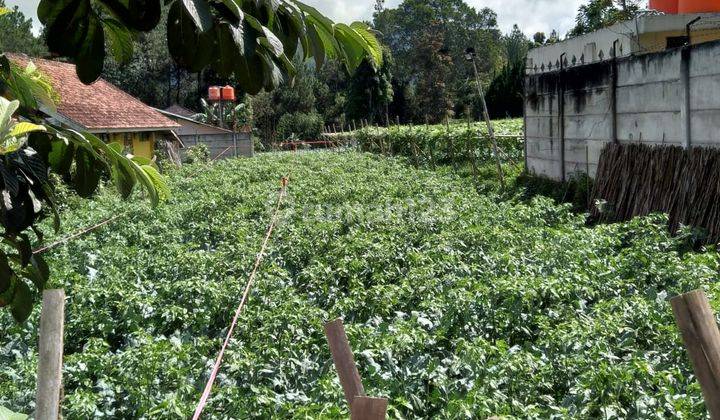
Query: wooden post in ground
{"points": [[361, 406], [367, 408], [50, 355], [701, 336], [344, 360]]}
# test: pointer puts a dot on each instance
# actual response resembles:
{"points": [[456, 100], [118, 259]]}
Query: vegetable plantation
{"points": [[457, 305], [452, 144]]}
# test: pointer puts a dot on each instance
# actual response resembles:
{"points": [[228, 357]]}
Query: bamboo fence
{"points": [[637, 180]]}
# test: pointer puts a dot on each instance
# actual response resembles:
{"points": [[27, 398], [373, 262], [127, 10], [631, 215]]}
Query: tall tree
{"points": [[434, 62], [598, 14], [371, 92], [505, 93], [458, 26], [516, 45], [17, 35]]}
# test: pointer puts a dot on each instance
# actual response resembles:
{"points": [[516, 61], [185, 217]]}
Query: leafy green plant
{"points": [[444, 144], [300, 126], [199, 153], [254, 41], [6, 414], [231, 116], [457, 305]]}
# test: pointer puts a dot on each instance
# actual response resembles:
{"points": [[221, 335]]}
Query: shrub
{"points": [[198, 153], [302, 126]]}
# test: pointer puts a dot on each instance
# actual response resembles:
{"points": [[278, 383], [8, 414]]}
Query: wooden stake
{"points": [[344, 361], [366, 408], [50, 354], [701, 336]]}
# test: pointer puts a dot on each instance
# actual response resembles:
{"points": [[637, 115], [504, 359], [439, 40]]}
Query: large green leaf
{"points": [[61, 156], [87, 173], [6, 414], [91, 57], [120, 39], [371, 45], [24, 128], [188, 46], [199, 11], [22, 304]]}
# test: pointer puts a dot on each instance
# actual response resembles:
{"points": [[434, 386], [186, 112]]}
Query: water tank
{"points": [[699, 6], [214, 93], [665, 6], [228, 93]]}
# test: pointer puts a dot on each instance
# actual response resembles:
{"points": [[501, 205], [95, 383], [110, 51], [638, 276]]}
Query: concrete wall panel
{"points": [[588, 127], [662, 127], [653, 97]]}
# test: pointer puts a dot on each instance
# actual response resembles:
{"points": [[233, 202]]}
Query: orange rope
{"points": [[248, 287]]}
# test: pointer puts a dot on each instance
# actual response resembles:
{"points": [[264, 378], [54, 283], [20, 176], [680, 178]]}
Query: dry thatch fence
{"points": [[636, 180]]}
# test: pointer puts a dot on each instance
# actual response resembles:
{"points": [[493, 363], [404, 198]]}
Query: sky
{"points": [[531, 15]]}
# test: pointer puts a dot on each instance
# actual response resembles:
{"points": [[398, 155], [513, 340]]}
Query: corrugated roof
{"points": [[183, 118], [180, 110], [99, 106]]}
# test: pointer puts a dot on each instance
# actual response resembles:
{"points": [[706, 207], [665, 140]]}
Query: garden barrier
{"points": [[361, 406], [701, 336]]}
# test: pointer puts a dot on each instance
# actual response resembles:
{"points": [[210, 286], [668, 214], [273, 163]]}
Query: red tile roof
{"points": [[100, 106]]}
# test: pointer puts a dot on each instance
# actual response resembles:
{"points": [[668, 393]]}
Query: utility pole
{"points": [[470, 56]]}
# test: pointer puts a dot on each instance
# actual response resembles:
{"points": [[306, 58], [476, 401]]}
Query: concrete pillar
{"points": [[685, 114]]}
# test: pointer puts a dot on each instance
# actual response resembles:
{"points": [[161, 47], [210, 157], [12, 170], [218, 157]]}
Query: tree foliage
{"points": [[598, 14], [17, 35], [370, 92], [456, 26], [505, 92], [253, 40]]}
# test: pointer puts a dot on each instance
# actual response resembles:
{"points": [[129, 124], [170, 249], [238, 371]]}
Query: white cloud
{"points": [[531, 15]]}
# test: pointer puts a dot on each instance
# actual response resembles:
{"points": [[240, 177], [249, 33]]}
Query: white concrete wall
{"points": [[641, 35], [651, 93]]}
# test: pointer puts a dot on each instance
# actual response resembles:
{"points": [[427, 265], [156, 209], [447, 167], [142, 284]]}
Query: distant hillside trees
{"points": [[505, 93], [456, 26], [17, 35]]}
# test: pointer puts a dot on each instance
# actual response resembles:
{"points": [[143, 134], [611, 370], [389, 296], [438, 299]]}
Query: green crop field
{"points": [[458, 305]]}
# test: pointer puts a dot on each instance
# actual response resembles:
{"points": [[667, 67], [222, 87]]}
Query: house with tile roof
{"points": [[106, 111]]}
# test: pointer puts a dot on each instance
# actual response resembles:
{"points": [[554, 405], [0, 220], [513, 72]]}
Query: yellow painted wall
{"points": [[139, 144], [657, 41]]}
